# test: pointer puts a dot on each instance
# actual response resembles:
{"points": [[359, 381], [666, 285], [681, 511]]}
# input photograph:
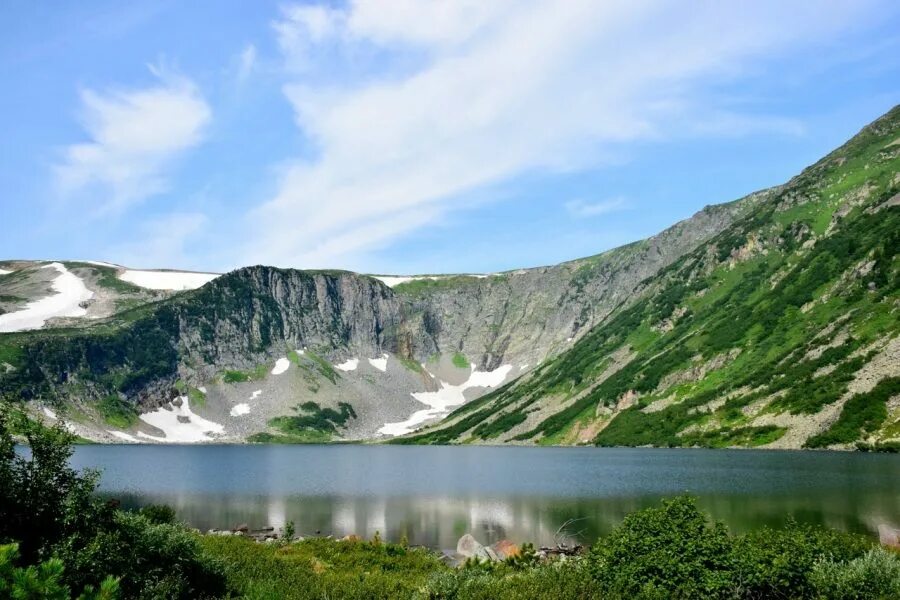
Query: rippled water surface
{"points": [[435, 494]]}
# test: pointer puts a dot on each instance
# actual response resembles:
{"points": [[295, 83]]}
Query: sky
{"points": [[405, 136]]}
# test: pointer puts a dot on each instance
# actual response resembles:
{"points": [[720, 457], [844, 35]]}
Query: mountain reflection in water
{"points": [[435, 494]]}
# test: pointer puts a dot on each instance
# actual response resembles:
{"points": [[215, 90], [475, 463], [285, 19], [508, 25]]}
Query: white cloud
{"points": [[440, 22], [246, 62], [492, 91], [303, 26], [134, 135], [580, 208]]}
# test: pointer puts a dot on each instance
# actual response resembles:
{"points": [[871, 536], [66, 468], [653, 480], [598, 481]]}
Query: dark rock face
{"points": [[256, 311]]}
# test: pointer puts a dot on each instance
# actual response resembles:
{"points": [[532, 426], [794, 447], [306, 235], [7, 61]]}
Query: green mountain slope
{"points": [[782, 330]]}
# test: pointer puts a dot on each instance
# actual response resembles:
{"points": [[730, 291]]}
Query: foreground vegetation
{"points": [[58, 540]]}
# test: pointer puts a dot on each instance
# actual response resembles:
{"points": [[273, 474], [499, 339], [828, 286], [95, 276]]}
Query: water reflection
{"points": [[434, 495]]}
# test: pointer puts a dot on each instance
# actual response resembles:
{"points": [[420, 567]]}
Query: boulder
{"points": [[506, 549], [889, 536], [242, 528], [468, 546], [351, 538]]}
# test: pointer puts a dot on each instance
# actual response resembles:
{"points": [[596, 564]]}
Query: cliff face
{"points": [[528, 315], [255, 312]]}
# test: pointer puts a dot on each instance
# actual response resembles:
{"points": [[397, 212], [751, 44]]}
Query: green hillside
{"points": [[782, 330]]}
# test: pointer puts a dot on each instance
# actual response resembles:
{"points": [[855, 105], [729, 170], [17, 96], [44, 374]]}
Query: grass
{"points": [[117, 412], [323, 366], [412, 365], [237, 376], [196, 397], [460, 361], [420, 287], [302, 437], [311, 424], [322, 568]]}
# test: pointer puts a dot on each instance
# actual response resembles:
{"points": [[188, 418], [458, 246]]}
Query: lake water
{"points": [[435, 494]]}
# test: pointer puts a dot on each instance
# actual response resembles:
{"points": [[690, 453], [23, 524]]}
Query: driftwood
{"points": [[561, 550]]}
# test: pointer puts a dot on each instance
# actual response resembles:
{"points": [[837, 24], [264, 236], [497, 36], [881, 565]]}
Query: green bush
{"points": [[875, 575], [779, 562], [52, 512], [151, 561], [666, 552], [158, 514], [44, 581]]}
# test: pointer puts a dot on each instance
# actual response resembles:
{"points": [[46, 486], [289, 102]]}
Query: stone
{"points": [[351, 538], [468, 546], [506, 549], [242, 528], [889, 536]]}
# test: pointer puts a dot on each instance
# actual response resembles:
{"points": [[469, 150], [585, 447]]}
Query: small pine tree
{"points": [[288, 531]]}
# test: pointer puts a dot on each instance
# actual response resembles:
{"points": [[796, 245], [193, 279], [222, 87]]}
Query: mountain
{"points": [[779, 331], [771, 320]]}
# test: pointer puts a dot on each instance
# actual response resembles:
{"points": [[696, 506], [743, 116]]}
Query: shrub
{"points": [[669, 551], [52, 512], [158, 514], [778, 562], [875, 575], [151, 561], [44, 581]]}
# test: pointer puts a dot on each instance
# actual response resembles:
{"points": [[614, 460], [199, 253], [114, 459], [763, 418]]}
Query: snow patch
{"points": [[240, 409], [49, 413], [195, 429], [523, 367], [5, 272], [202, 390], [440, 402], [255, 394], [70, 292], [281, 365], [568, 339], [167, 280], [100, 263], [122, 435], [348, 365], [379, 363]]}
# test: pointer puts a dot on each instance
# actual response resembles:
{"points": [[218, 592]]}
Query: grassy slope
{"points": [[743, 312]]}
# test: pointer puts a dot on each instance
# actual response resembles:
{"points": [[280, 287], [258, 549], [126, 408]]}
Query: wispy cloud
{"points": [[162, 241], [504, 89], [246, 62], [582, 209], [134, 136]]}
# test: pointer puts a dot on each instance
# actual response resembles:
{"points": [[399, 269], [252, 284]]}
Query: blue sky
{"points": [[397, 136]]}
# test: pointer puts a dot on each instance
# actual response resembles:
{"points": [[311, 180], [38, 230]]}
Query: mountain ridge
{"points": [[435, 333]]}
